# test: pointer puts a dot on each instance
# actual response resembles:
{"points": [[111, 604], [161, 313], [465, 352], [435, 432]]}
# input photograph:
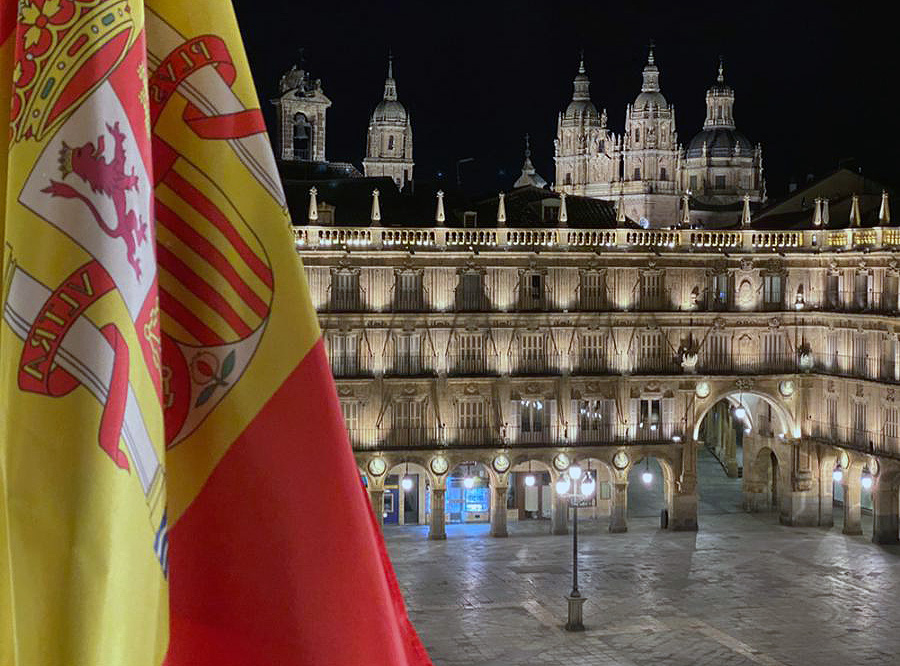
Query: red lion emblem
{"points": [[109, 179]]}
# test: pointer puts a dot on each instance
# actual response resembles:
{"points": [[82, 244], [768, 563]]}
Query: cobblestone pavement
{"points": [[742, 590]]}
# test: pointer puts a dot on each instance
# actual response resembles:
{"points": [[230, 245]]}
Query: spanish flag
{"points": [[176, 484]]}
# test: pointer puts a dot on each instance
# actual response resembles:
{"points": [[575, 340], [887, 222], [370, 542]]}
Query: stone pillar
{"points": [[852, 499], [376, 497], [436, 529], [498, 511], [684, 512], [826, 495], [559, 517], [886, 527], [619, 511], [730, 459]]}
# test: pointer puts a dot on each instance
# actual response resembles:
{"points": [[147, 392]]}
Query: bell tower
{"points": [[389, 150], [301, 107]]}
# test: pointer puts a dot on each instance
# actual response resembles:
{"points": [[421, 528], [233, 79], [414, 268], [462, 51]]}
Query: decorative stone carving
{"points": [[689, 362], [745, 294], [744, 384]]}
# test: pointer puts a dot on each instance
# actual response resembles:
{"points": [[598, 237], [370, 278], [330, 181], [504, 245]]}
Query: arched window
{"points": [[302, 137], [637, 134], [390, 141]]}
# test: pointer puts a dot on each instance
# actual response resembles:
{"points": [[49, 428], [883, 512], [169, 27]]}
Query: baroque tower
{"points": [[389, 150], [584, 150], [721, 165], [651, 156], [301, 108]]}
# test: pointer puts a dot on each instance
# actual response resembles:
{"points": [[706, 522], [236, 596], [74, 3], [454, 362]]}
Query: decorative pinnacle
{"points": [[650, 59], [721, 77], [527, 146], [581, 63], [390, 64]]}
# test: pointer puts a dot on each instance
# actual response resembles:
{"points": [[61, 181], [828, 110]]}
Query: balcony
{"points": [[400, 364], [405, 300], [858, 366], [748, 364], [472, 300], [348, 366], [846, 437], [861, 301], [345, 300], [657, 364], [593, 363], [654, 301], [472, 364], [535, 363], [593, 299]]}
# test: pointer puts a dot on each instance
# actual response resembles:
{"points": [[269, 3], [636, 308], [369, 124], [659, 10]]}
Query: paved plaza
{"points": [[742, 590]]}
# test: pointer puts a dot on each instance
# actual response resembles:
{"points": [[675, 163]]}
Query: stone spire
{"points": [[313, 214], [529, 175], [745, 214], [620, 211], [855, 216], [884, 213], [826, 214], [563, 211], [376, 209], [582, 84], [719, 103], [651, 73], [390, 86], [501, 209], [686, 210], [817, 213], [439, 215]]}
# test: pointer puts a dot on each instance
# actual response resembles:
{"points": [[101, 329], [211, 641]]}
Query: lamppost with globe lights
{"points": [[577, 487]]}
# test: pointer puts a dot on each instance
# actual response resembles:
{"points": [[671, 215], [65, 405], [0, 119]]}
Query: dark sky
{"points": [[812, 80]]}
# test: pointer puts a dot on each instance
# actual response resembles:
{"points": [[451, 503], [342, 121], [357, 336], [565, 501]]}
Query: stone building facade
{"points": [[646, 168], [482, 357]]}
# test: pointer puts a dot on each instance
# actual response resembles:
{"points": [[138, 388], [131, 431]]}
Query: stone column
{"points": [[559, 517], [619, 510], [852, 499], [684, 512], [730, 459], [376, 497], [436, 529], [826, 495], [886, 528], [498, 511]]}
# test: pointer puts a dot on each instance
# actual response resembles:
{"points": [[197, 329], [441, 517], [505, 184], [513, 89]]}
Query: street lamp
{"points": [[838, 473], [647, 476], [866, 480], [407, 482], [577, 486], [529, 480]]}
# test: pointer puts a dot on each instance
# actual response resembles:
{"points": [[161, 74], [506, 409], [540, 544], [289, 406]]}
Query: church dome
{"points": [[389, 110], [581, 108], [720, 142], [655, 98]]}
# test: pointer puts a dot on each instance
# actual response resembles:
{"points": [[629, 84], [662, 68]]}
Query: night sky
{"points": [[812, 81]]}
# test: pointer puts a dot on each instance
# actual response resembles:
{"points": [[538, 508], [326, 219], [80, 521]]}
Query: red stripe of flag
{"points": [[202, 289], [188, 321], [189, 236], [293, 573], [208, 209]]}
